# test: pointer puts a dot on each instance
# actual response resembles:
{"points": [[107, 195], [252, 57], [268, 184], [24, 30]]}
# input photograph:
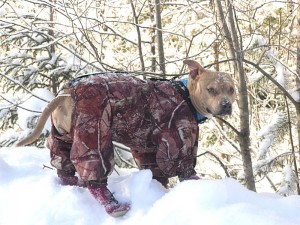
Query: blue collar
{"points": [[200, 117]]}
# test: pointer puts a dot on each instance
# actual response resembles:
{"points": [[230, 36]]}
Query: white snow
{"points": [[255, 77], [277, 120], [264, 145], [3, 11], [295, 95], [290, 180], [73, 63], [32, 195], [280, 78], [34, 104]]}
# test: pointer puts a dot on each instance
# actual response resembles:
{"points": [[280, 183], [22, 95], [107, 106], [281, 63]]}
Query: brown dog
{"points": [[157, 120]]}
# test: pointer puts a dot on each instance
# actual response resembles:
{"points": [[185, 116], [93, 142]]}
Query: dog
{"points": [[158, 120]]}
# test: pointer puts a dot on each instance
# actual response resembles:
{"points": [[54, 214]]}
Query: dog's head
{"points": [[212, 93]]}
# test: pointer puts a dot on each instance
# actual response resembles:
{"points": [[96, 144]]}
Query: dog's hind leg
{"points": [[60, 158]]}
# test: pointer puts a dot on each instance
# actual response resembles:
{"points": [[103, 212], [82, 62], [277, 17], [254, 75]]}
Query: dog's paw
{"points": [[116, 209], [81, 183], [193, 177], [72, 181]]}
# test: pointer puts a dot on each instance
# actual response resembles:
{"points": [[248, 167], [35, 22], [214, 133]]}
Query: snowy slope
{"points": [[31, 195]]}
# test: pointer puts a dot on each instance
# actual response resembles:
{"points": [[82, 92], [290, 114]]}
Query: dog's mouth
{"points": [[223, 114], [223, 111]]}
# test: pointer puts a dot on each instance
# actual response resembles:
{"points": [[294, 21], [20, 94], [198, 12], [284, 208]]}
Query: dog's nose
{"points": [[226, 107]]}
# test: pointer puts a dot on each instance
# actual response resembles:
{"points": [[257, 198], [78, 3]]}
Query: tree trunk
{"points": [[136, 21], [298, 77], [161, 55], [54, 84], [235, 51], [152, 18]]}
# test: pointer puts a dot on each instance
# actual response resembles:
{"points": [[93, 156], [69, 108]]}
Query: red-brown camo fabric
{"points": [[150, 117]]}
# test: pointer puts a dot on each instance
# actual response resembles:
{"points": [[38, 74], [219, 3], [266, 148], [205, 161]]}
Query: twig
{"points": [[272, 184], [47, 167], [121, 158], [223, 133], [22, 86], [216, 157], [18, 105], [116, 171], [228, 124], [287, 94]]}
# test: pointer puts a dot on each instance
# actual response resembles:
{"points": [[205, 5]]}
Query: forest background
{"points": [[46, 43]]}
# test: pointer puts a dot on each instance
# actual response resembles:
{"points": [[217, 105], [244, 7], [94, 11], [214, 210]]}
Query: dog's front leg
{"points": [[176, 153], [148, 161]]}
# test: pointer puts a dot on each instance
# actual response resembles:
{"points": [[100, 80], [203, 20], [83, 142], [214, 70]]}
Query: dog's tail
{"points": [[42, 120]]}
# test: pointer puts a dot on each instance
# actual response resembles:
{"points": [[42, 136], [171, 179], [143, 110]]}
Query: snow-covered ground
{"points": [[31, 195]]}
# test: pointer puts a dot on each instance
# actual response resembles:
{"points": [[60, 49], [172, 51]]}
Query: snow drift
{"points": [[31, 194]]}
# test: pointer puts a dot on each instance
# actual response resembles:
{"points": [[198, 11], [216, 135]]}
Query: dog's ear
{"points": [[195, 68]]}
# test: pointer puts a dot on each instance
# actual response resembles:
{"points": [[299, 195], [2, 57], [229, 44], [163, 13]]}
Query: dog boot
{"points": [[188, 175], [69, 178], [193, 177], [163, 180], [106, 198]]}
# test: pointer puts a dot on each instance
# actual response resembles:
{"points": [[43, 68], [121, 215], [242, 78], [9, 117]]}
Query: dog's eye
{"points": [[211, 91], [231, 90]]}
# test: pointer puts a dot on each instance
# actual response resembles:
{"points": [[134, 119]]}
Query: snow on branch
{"points": [[277, 123], [282, 70], [23, 87], [274, 81], [264, 166], [276, 127], [14, 103], [45, 45], [289, 182]]}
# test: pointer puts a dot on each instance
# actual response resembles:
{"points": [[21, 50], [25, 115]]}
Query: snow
{"points": [[74, 61], [30, 70], [32, 103], [38, 37], [255, 77], [3, 11], [280, 74], [290, 180], [295, 95], [264, 145], [32, 195], [277, 120]]}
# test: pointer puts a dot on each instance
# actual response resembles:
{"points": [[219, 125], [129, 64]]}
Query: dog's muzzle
{"points": [[225, 108]]}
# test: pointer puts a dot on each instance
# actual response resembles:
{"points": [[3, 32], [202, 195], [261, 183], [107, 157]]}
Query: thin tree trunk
{"points": [[136, 21], [216, 53], [161, 55], [54, 84], [292, 145], [235, 51], [298, 77], [153, 24]]}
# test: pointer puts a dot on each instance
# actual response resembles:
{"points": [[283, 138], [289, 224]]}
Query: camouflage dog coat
{"points": [[154, 118]]}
